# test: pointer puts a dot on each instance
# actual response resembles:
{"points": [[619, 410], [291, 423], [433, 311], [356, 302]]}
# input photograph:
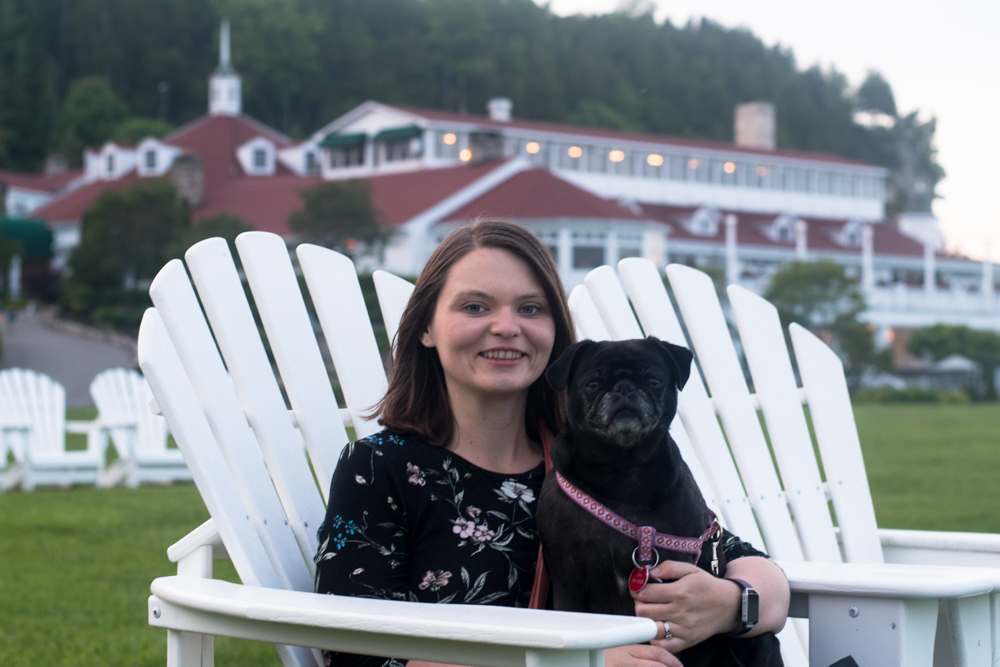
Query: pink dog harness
{"points": [[647, 537]]}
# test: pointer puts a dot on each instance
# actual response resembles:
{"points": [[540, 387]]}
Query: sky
{"points": [[940, 58]]}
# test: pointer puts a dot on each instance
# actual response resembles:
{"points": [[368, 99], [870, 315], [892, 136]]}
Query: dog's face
{"points": [[621, 391]]}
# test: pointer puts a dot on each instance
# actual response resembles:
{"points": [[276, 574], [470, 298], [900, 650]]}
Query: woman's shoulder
{"points": [[389, 445]]}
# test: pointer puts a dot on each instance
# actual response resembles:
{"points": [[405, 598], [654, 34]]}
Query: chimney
{"points": [[500, 109], [188, 176], [755, 125]]}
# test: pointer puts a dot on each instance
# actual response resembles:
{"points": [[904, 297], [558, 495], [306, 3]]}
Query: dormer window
{"points": [[312, 164], [111, 164], [783, 234], [259, 158], [704, 222], [151, 159]]}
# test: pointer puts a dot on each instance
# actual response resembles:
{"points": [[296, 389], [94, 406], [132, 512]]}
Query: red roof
{"points": [[563, 128], [400, 197], [263, 202], [72, 206], [536, 193], [39, 182], [216, 138]]}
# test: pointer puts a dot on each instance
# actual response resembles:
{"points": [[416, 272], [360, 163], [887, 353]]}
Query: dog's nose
{"points": [[624, 387]]}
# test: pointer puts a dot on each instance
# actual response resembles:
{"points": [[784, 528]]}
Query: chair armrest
{"points": [[890, 580], [934, 539], [462, 634], [204, 535]]}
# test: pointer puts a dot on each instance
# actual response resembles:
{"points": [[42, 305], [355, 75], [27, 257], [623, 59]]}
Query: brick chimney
{"points": [[188, 176], [755, 125]]}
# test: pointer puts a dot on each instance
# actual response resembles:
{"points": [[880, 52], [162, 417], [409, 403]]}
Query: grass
{"points": [[75, 565]]}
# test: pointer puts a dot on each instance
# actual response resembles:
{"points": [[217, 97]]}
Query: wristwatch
{"points": [[749, 609]]}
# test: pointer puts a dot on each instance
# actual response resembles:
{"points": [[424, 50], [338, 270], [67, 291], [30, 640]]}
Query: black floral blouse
{"points": [[412, 521]]}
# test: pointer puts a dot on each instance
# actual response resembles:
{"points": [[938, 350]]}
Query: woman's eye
{"points": [[473, 308], [530, 310]]}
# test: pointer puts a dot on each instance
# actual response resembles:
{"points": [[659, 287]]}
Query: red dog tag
{"points": [[640, 576]]}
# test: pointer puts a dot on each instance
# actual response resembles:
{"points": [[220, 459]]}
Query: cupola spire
{"points": [[225, 95]]}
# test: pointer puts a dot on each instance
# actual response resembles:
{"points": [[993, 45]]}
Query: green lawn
{"points": [[75, 565]]}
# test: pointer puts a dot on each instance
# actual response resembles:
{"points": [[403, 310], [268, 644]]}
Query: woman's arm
{"points": [[697, 605]]}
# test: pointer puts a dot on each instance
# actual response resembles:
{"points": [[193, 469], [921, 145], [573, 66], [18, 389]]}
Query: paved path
{"points": [[70, 355]]}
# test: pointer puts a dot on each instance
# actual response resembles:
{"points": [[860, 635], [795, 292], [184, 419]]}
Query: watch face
{"points": [[751, 607]]}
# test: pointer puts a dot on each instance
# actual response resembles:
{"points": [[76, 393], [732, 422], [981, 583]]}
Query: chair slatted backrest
{"points": [[122, 399], [586, 318], [393, 295], [709, 332], [15, 423], [223, 495], [613, 306], [296, 351], [340, 306], [224, 300], [777, 392], [656, 314], [37, 401], [178, 308], [840, 448]]}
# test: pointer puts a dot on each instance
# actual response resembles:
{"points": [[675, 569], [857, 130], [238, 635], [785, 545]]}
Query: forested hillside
{"points": [[304, 62]]}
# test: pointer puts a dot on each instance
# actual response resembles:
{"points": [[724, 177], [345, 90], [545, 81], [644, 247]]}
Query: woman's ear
{"points": [[427, 339]]}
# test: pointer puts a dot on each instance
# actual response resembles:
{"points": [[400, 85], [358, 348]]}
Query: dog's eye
{"points": [[593, 385], [655, 382]]}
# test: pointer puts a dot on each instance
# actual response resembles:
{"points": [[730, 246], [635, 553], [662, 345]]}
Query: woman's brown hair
{"points": [[417, 399]]}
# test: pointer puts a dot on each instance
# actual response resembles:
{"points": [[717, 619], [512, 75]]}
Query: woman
{"points": [[439, 507]]}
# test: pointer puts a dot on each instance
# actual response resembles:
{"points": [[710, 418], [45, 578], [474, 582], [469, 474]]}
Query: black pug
{"points": [[620, 400]]}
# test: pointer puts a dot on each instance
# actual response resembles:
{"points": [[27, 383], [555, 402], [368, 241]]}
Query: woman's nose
{"points": [[505, 323]]}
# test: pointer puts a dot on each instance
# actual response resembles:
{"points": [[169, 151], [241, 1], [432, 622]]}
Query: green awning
{"points": [[399, 133], [341, 140], [34, 235]]}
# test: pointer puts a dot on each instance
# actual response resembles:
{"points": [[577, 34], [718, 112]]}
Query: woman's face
{"points": [[492, 327]]}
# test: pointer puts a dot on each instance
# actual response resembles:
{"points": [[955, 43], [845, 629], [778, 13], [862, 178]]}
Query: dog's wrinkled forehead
{"points": [[621, 359]]}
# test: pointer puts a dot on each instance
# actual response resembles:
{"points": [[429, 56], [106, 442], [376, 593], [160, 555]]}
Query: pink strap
{"points": [[645, 536]]}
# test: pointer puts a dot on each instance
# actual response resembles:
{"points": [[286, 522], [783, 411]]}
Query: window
{"points": [[312, 164], [446, 145], [678, 167], [259, 158], [588, 257], [111, 164], [823, 182], [350, 155], [397, 149], [150, 159]]}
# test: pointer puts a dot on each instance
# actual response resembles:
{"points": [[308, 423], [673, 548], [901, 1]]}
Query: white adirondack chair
{"points": [[238, 436], [122, 398], [906, 613], [33, 428]]}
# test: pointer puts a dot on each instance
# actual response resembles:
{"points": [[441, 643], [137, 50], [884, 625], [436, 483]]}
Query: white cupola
{"points": [[225, 97]]}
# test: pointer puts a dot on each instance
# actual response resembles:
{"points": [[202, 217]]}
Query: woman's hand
{"points": [[640, 655], [696, 605]]}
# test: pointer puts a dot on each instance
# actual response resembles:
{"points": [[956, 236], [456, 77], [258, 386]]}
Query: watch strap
{"points": [[747, 624]]}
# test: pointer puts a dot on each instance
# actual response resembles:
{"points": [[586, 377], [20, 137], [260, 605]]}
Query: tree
{"points": [[89, 116], [135, 129], [875, 94], [222, 225], [820, 295], [942, 340], [125, 236], [339, 215]]}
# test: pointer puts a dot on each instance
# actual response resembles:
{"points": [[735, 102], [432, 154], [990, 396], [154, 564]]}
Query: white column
{"points": [[565, 252], [867, 258], [611, 248], [987, 288], [732, 260], [929, 279], [801, 245], [14, 278]]}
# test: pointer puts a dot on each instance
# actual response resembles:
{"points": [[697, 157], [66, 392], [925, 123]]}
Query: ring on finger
{"points": [[666, 631]]}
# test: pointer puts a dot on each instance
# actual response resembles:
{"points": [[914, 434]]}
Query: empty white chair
{"points": [[33, 427], [122, 397]]}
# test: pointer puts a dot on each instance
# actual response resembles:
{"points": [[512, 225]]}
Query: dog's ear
{"points": [[559, 371], [678, 357]]}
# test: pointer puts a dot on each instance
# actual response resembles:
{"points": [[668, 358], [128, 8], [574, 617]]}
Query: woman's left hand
{"points": [[695, 605]]}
